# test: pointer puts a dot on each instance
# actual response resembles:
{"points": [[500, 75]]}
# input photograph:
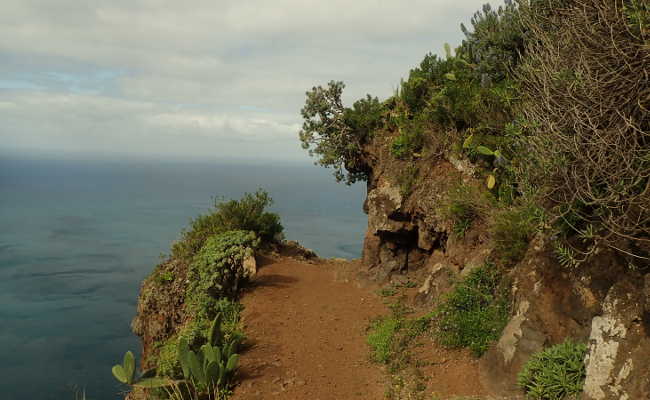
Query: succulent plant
{"points": [[213, 364], [125, 373]]}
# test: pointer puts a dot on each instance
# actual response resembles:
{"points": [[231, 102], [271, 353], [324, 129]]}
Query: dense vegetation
{"points": [[555, 373], [548, 98], [549, 101], [474, 313], [199, 358]]}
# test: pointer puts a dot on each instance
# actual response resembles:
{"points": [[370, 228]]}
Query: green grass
{"points": [[391, 340], [387, 291], [381, 338], [512, 231], [555, 373], [474, 313]]}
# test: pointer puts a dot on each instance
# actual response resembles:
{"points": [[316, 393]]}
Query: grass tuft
{"points": [[474, 313]]}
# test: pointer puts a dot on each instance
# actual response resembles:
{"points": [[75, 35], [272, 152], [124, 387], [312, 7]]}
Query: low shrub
{"points": [[410, 139], [464, 205], [247, 213], [474, 313], [214, 276], [555, 373], [512, 231]]}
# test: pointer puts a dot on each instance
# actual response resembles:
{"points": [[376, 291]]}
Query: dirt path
{"points": [[306, 327], [307, 331]]}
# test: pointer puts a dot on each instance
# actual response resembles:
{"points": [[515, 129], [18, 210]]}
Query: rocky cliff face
{"points": [[602, 302]]}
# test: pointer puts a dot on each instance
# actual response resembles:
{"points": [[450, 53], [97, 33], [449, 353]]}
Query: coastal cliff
{"points": [[507, 181], [604, 303]]}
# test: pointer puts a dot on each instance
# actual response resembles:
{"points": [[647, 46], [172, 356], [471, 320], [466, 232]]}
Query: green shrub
{"points": [[474, 313], [555, 373], [212, 365], [512, 231], [162, 277], [496, 40], [411, 136], [464, 205], [365, 116], [216, 273], [245, 214], [166, 359], [336, 134], [463, 215]]}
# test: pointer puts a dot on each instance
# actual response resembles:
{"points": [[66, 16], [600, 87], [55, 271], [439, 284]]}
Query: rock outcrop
{"points": [[602, 302]]}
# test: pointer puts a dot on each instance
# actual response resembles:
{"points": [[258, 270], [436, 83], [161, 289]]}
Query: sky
{"points": [[214, 79]]}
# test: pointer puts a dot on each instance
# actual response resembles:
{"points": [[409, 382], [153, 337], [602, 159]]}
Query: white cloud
{"points": [[136, 74]]}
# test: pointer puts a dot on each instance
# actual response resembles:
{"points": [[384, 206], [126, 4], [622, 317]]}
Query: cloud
{"points": [[139, 76]]}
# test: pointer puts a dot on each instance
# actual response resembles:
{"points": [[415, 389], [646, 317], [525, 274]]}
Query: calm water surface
{"points": [[77, 238]]}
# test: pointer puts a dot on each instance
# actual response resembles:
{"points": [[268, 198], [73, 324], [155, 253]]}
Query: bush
{"points": [[217, 270], [464, 205], [245, 214], [474, 313], [336, 134], [512, 231], [555, 373], [496, 41], [584, 94]]}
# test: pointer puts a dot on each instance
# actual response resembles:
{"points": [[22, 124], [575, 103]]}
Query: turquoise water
{"points": [[77, 238]]}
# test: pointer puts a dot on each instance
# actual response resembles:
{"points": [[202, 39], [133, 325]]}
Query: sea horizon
{"points": [[80, 236]]}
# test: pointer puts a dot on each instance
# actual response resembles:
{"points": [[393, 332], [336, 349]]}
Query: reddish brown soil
{"points": [[306, 327], [308, 336]]}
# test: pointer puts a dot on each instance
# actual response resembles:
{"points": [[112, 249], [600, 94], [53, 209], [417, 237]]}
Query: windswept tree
{"points": [[336, 134]]}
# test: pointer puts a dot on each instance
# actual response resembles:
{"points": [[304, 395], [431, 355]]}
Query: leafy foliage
{"points": [[125, 373], [212, 366], [495, 42], [555, 373], [464, 205], [216, 273], [336, 134], [194, 333], [247, 213], [474, 313]]}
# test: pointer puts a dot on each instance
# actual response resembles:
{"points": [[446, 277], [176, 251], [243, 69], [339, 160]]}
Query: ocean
{"points": [[78, 237]]}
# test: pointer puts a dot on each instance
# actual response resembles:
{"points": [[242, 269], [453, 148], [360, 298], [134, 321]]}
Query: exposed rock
{"points": [[462, 165], [292, 248], [501, 364], [410, 235], [619, 347], [438, 281], [250, 266]]}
